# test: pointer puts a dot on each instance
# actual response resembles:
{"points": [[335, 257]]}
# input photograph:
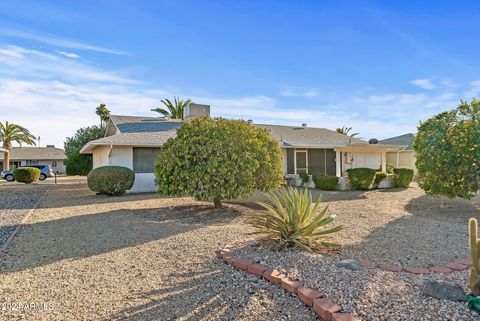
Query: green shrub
{"points": [[402, 177], [26, 175], [111, 180], [218, 159], [361, 178], [291, 219], [390, 168], [304, 177], [379, 176], [325, 182]]}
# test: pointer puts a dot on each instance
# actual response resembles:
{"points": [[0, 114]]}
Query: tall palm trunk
{"points": [[6, 156]]}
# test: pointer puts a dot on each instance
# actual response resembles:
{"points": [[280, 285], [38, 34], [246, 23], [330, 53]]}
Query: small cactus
{"points": [[474, 242]]}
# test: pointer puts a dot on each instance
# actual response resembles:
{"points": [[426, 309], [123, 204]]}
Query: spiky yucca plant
{"points": [[292, 219]]}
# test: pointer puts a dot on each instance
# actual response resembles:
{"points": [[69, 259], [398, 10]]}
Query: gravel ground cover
{"points": [[135, 257], [15, 202], [370, 294], [400, 226]]}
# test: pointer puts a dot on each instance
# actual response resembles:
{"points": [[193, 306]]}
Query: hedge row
{"points": [[325, 182]]}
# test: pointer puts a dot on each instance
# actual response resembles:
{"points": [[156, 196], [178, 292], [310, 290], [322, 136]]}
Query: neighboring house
{"points": [[404, 157], [24, 156], [135, 142]]}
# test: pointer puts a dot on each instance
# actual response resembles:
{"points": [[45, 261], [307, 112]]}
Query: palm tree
{"points": [[104, 114], [174, 110], [345, 131], [13, 133]]}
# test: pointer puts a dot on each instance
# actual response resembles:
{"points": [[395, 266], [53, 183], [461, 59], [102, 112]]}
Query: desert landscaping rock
{"points": [[444, 291], [367, 294], [135, 257], [402, 227], [349, 264], [16, 201]]}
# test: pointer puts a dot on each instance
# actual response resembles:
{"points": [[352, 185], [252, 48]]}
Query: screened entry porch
{"points": [[311, 160]]}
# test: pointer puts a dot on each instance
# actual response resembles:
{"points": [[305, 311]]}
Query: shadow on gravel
{"points": [[435, 234], [194, 298], [326, 197], [88, 235]]}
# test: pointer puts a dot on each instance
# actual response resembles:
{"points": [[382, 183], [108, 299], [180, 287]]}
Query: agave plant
{"points": [[291, 218]]}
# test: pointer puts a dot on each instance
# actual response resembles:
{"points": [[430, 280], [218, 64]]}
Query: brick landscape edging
{"points": [[458, 265], [326, 309], [9, 240]]}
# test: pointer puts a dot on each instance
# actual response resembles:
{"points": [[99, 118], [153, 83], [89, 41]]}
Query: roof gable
{"points": [[308, 136], [406, 139]]}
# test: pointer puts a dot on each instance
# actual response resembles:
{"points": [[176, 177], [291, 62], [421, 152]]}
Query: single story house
{"points": [[404, 157], [135, 142], [49, 155]]}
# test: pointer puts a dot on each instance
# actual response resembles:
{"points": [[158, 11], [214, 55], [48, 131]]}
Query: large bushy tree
{"points": [[448, 152], [76, 163], [10, 133], [218, 159]]}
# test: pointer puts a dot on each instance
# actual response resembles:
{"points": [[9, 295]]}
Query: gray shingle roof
{"points": [[155, 131], [309, 136], [406, 140], [37, 153], [138, 138]]}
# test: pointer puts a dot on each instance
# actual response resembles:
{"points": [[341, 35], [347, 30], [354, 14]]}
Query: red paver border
{"points": [[9, 240], [326, 309]]}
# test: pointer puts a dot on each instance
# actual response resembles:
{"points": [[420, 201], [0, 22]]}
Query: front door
{"points": [[301, 163]]}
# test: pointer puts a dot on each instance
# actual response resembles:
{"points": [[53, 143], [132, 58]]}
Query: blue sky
{"points": [[377, 66]]}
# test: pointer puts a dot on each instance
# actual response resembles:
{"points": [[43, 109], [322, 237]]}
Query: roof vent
{"points": [[51, 146], [196, 110], [304, 125], [373, 141]]}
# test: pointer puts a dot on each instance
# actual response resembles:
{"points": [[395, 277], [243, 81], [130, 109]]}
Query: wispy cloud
{"points": [[424, 84], [33, 81], [57, 41], [299, 93], [30, 63], [473, 90], [68, 54]]}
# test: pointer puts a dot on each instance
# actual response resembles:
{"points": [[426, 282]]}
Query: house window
{"points": [[31, 162], [54, 163], [144, 159]]}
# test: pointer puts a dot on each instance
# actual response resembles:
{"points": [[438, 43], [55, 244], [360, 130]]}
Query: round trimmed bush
{"points": [[111, 180], [26, 175], [402, 177], [325, 182], [361, 178]]}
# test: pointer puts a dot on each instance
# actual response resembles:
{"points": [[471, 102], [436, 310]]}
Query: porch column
{"points": [[338, 160], [384, 161]]}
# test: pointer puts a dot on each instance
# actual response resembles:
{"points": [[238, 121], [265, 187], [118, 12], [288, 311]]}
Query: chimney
{"points": [[51, 146], [196, 110], [304, 125]]}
